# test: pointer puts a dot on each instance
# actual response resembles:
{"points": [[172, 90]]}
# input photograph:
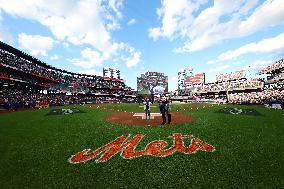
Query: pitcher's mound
{"points": [[127, 118]]}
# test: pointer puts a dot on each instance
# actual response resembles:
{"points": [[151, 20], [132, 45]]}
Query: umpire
{"points": [[163, 110], [169, 114]]}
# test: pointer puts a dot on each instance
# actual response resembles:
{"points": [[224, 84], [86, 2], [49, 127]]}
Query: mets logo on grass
{"points": [[125, 145]]}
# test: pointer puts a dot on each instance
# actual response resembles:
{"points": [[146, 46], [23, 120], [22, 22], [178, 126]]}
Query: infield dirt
{"points": [[127, 118]]}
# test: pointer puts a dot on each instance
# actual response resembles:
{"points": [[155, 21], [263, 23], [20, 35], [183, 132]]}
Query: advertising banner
{"points": [[231, 76], [195, 79]]}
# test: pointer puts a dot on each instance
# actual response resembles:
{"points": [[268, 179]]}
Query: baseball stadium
{"points": [[96, 122]]}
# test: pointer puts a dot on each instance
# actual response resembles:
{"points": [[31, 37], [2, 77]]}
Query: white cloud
{"points": [[134, 59], [90, 72], [269, 45], [36, 44], [131, 22], [257, 65], [122, 51], [175, 17], [271, 13], [224, 20], [219, 69], [155, 33], [65, 45], [81, 22], [89, 59], [54, 57], [129, 55], [115, 5]]}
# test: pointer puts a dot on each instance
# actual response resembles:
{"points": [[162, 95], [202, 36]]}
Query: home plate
{"points": [[153, 115]]}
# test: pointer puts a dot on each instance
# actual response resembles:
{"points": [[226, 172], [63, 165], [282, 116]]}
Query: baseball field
{"points": [[219, 146]]}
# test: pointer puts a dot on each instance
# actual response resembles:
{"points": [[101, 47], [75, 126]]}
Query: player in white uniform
{"points": [[147, 108]]}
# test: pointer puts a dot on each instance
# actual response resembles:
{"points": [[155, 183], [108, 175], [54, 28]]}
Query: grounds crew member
{"points": [[147, 108]]}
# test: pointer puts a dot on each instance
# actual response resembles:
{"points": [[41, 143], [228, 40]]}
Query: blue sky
{"points": [[136, 36]]}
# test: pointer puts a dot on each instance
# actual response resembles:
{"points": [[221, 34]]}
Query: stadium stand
{"points": [[267, 88], [26, 82]]}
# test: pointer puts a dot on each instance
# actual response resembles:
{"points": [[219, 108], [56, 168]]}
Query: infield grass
{"points": [[35, 149]]}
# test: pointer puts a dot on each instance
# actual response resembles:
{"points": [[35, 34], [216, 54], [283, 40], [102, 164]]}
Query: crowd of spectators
{"points": [[229, 85], [56, 79], [22, 78], [64, 88], [276, 77], [14, 98], [12, 61], [26, 66], [61, 87], [254, 91], [262, 97], [276, 66]]}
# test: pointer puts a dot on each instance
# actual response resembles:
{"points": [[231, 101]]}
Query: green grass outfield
{"points": [[34, 151]]}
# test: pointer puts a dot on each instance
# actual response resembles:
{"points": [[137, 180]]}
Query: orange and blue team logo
{"points": [[126, 147]]}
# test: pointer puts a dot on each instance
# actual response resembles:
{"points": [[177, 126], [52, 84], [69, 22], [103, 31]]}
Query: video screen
{"points": [[152, 86]]}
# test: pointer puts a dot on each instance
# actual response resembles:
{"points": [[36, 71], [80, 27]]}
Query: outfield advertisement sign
{"points": [[195, 79], [231, 76], [126, 147]]}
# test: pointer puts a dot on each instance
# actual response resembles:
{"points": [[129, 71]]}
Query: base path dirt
{"points": [[127, 118]]}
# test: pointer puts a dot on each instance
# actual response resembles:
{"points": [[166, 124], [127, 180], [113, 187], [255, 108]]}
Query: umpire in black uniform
{"points": [[168, 110], [163, 111]]}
